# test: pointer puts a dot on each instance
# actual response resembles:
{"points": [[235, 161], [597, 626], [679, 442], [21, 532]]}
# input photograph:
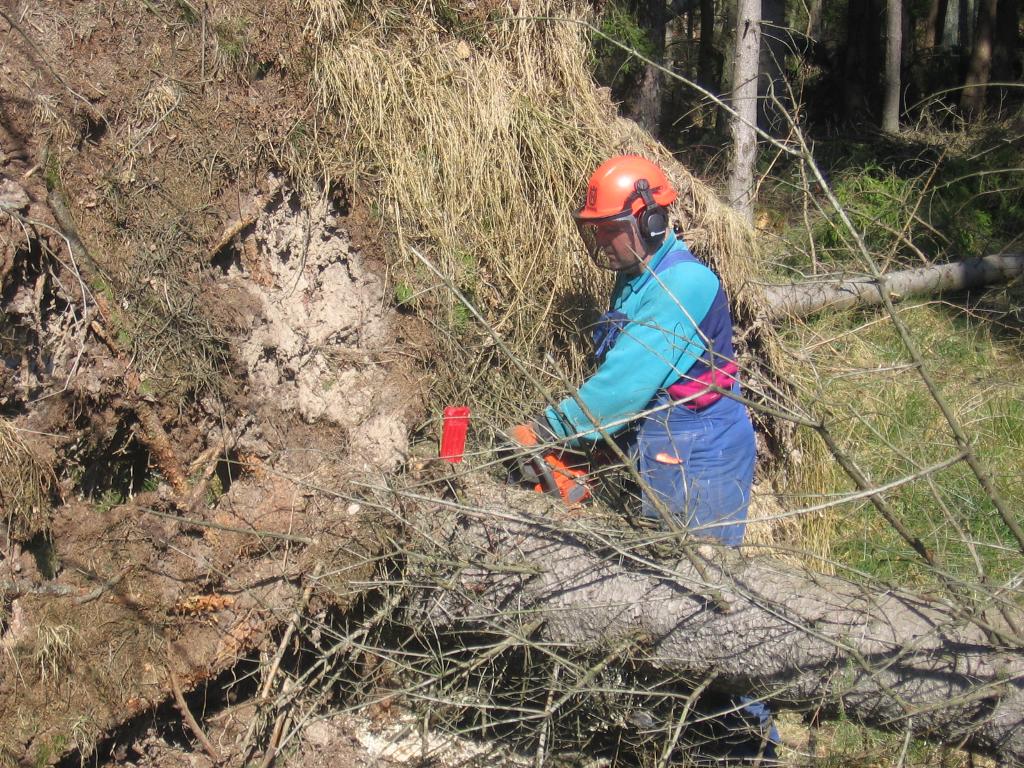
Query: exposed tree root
{"points": [[186, 713], [153, 433]]}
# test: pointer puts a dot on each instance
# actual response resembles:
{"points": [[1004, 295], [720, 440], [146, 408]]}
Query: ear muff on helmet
{"points": [[652, 221]]}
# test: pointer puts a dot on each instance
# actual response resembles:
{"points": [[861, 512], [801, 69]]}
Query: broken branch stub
{"points": [[799, 639]]}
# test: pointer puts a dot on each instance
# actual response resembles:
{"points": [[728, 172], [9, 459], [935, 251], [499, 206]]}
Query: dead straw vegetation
{"points": [[477, 145], [470, 136], [26, 482]]}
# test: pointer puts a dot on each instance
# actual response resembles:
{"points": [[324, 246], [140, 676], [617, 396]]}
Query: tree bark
{"points": [[776, 42], [935, 23], [726, 36], [972, 100], [951, 30], [799, 639], [814, 10], [893, 63], [646, 106], [708, 66], [800, 299], [744, 102]]}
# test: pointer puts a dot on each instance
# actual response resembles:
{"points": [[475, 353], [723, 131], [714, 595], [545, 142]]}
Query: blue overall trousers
{"points": [[699, 464]]}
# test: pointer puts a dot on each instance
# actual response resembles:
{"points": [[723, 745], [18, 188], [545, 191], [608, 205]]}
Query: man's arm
{"points": [[655, 349]]}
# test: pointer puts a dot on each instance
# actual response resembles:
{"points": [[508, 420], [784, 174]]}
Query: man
{"points": [[665, 358], [665, 363]]}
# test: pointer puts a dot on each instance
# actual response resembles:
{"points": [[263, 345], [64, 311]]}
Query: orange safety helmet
{"points": [[612, 187], [624, 211]]}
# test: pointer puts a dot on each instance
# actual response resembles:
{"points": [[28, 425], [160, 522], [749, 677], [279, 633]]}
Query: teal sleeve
{"points": [[659, 344]]}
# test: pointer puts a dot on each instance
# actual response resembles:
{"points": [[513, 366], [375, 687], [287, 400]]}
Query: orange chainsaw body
{"points": [[570, 482]]}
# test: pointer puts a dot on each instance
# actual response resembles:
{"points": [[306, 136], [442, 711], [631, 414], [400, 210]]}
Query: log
{"points": [[800, 639], [802, 299]]}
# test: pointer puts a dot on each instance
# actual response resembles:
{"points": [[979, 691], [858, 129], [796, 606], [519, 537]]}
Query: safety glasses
{"points": [[612, 242]]}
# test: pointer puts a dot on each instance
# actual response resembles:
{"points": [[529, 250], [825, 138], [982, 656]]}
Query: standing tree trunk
{"points": [[708, 68], [972, 100], [726, 37], [951, 30], [776, 42], [744, 102], [934, 24], [647, 105], [893, 50], [814, 20]]}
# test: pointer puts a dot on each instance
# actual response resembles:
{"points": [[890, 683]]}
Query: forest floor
{"points": [[124, 583], [204, 376]]}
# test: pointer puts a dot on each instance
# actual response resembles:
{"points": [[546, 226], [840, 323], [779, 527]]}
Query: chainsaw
{"points": [[545, 471]]}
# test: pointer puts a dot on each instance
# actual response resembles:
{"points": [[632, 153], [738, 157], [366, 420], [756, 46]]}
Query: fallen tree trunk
{"points": [[801, 299], [799, 639]]}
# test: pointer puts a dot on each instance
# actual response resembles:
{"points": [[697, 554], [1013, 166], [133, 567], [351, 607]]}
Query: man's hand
{"points": [[543, 466], [533, 433]]}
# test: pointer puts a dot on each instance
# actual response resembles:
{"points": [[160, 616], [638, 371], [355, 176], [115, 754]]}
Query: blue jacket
{"points": [[675, 323]]}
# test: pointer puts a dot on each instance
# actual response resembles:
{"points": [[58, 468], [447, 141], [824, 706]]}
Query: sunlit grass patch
{"points": [[54, 651], [864, 378], [25, 486], [846, 744]]}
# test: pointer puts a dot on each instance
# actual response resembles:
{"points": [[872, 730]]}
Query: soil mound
{"points": [[319, 330]]}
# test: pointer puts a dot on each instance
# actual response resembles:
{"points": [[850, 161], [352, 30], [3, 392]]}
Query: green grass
{"points": [[404, 294], [232, 39], [893, 427], [109, 499], [847, 744], [876, 200]]}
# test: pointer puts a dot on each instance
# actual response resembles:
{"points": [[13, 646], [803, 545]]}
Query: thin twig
{"points": [[186, 713], [229, 528], [670, 745], [275, 665], [109, 584]]}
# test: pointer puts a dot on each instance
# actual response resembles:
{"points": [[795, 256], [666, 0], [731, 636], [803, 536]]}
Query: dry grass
{"points": [[53, 651], [471, 138], [25, 485], [479, 148], [476, 150], [53, 122]]}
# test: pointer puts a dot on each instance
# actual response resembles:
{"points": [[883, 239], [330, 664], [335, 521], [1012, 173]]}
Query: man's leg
{"points": [[662, 457]]}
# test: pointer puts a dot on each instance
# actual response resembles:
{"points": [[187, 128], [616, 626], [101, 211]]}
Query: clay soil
{"points": [[198, 371]]}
